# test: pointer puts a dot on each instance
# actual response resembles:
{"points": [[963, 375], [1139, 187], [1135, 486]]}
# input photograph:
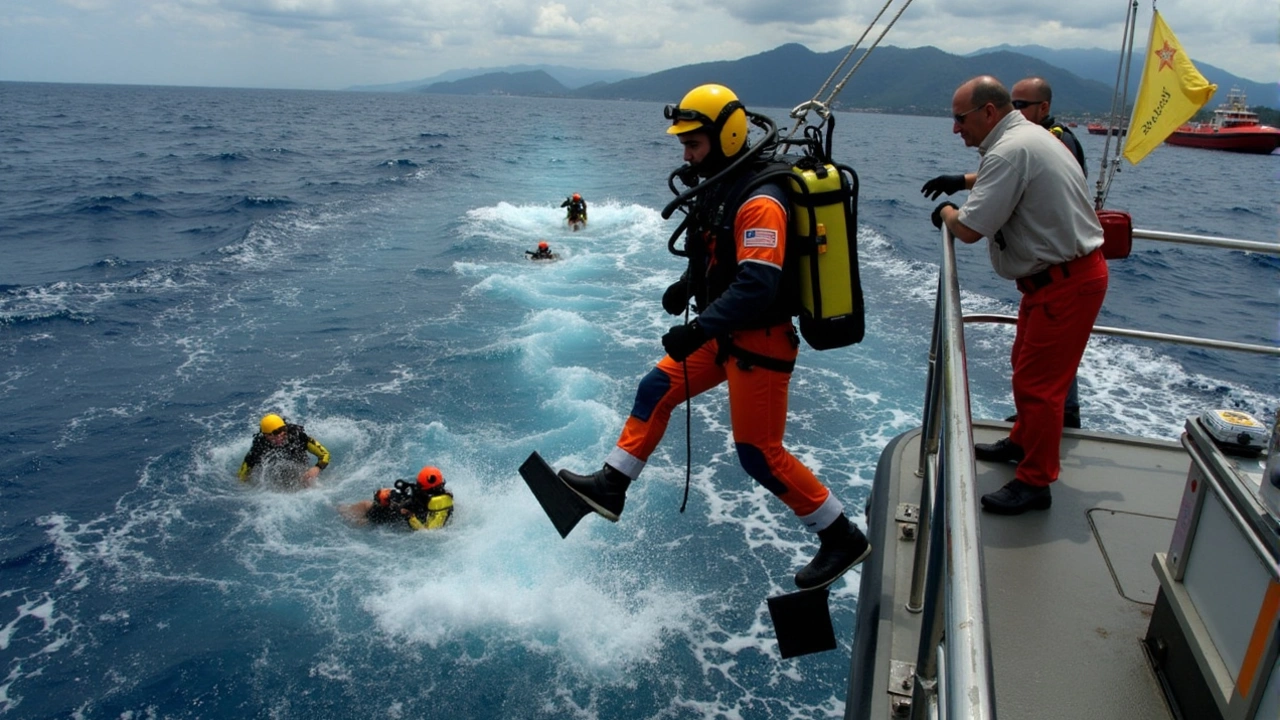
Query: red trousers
{"points": [[1054, 323], [757, 411]]}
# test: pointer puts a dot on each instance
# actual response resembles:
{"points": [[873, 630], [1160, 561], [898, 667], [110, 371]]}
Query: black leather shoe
{"points": [[605, 490], [842, 547], [1017, 497], [1003, 450]]}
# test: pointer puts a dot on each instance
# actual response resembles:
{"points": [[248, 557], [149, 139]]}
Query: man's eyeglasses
{"points": [[1020, 104], [277, 432], [960, 118]]}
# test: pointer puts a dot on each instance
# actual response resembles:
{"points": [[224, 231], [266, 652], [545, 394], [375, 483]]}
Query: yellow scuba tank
{"points": [[824, 201], [439, 510]]}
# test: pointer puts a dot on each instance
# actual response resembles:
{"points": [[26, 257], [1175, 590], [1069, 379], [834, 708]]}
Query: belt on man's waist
{"points": [[1054, 273]]}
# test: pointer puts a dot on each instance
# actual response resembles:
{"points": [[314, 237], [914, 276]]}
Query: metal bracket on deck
{"points": [[908, 518], [902, 678]]}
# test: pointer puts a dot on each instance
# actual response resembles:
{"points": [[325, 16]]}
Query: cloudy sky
{"points": [[332, 44]]}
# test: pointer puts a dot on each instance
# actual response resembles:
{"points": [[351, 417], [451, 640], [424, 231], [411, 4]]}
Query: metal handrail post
{"points": [[929, 420], [1208, 241], [933, 621], [971, 690], [915, 601], [1191, 340]]}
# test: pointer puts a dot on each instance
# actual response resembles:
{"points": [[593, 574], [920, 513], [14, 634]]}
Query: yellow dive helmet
{"points": [[714, 108], [271, 423]]}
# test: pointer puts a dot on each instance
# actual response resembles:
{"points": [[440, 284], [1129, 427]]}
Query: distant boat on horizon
{"points": [[1096, 128], [1234, 128]]}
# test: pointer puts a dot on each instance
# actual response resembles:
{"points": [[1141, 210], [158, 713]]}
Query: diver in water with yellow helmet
{"points": [[279, 453], [421, 505], [735, 237]]}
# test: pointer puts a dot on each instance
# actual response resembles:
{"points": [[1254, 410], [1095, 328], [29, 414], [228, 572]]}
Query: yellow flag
{"points": [[1172, 90]]}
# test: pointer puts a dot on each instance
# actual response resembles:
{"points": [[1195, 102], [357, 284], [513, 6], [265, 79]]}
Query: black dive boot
{"points": [[842, 546], [605, 490]]}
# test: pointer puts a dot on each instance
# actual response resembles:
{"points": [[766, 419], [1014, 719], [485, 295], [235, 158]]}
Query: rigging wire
{"points": [[823, 107], [1118, 117]]}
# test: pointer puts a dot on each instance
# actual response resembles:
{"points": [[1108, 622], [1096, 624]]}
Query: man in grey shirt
{"points": [[1030, 200], [1033, 97]]}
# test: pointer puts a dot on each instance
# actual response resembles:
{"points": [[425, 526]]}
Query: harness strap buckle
{"points": [[748, 360]]}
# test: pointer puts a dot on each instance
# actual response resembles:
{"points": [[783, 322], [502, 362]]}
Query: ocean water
{"points": [[179, 261]]}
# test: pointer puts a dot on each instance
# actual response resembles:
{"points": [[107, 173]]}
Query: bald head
{"points": [[977, 106], [1035, 89], [1032, 97], [986, 89]]}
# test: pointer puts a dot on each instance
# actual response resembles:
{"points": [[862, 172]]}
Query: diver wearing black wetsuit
{"points": [[286, 443]]}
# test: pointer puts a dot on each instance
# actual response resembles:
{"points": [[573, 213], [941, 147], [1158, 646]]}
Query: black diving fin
{"points": [[802, 622], [561, 504]]}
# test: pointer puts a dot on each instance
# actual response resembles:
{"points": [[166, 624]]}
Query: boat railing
{"points": [[953, 661]]}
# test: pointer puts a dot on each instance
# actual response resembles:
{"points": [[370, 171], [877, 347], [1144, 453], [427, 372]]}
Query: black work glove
{"points": [[681, 340], [949, 184], [676, 298], [936, 217]]}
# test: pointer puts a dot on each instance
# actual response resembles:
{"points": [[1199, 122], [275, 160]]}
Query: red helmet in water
{"points": [[430, 478], [576, 196], [383, 497], [543, 245]]}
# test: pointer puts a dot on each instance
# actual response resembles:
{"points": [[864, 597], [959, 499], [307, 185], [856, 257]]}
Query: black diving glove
{"points": [[936, 217], [949, 184], [682, 340], [676, 298]]}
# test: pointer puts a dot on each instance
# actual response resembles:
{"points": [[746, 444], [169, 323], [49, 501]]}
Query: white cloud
{"points": [[336, 43]]}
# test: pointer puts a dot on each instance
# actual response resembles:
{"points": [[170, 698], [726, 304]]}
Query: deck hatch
{"points": [[1120, 537]]}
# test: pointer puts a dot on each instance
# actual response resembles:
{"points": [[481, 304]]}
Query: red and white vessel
{"points": [[1234, 127], [1097, 128]]}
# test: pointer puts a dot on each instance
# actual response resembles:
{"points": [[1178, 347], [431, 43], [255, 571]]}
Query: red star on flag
{"points": [[1166, 54]]}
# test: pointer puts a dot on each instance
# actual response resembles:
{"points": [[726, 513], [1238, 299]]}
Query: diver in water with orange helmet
{"points": [[577, 209], [542, 253], [279, 453], [421, 505]]}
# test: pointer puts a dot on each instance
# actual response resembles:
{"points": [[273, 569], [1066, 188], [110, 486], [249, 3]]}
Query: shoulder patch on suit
{"points": [[760, 237]]}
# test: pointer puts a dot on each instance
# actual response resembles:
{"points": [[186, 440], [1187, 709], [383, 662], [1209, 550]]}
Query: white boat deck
{"points": [[1085, 564]]}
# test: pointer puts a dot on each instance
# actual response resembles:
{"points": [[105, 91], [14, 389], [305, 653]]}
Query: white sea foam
{"points": [[402, 325]]}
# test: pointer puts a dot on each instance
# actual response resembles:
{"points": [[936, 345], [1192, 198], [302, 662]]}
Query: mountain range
{"points": [[917, 81]]}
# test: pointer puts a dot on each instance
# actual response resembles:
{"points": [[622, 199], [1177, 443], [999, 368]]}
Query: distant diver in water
{"points": [[279, 455], [577, 216], [421, 505], [542, 253]]}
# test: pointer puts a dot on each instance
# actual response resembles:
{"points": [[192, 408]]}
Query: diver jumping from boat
{"points": [[279, 452], [743, 334], [421, 505], [1030, 200], [577, 214]]}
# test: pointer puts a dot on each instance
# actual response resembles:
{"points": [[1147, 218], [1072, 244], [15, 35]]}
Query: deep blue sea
{"points": [[179, 261]]}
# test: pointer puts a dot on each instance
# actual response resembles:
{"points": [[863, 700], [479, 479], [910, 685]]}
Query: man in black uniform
{"points": [[1032, 97], [281, 449]]}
